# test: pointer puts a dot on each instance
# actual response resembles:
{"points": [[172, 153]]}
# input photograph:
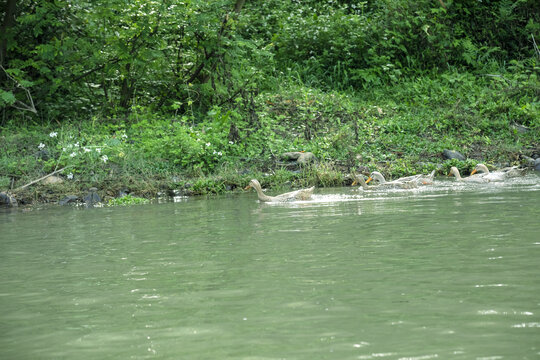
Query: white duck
{"points": [[473, 179], [420, 179], [302, 194], [408, 182], [499, 175]]}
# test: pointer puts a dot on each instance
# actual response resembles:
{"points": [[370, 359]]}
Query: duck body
{"points": [[302, 194], [419, 179], [471, 179], [359, 179], [408, 182], [427, 179], [499, 175]]}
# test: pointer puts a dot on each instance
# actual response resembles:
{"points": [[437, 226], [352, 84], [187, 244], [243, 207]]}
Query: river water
{"points": [[448, 271]]}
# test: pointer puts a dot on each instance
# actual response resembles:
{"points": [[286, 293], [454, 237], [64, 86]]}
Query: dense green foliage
{"points": [[371, 43], [108, 58], [151, 94]]}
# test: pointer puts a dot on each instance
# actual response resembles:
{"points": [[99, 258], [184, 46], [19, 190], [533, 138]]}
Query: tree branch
{"points": [[237, 91], [535, 47], [41, 178], [97, 68], [21, 105]]}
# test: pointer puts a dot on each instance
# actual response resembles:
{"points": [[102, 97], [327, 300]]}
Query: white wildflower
{"points": [[98, 150], [220, 153], [53, 134], [124, 136], [76, 144], [215, 152], [70, 176], [41, 146], [86, 149], [208, 144], [73, 154], [230, 142], [105, 158]]}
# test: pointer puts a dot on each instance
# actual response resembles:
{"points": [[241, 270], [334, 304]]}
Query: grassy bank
{"points": [[398, 130]]}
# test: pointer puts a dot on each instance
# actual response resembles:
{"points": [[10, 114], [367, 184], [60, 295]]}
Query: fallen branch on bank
{"points": [[41, 178]]}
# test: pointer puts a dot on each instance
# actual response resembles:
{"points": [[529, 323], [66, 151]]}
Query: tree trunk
{"points": [[238, 5], [9, 22], [126, 90]]}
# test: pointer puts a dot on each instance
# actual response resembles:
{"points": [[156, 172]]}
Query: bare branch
{"points": [[41, 178], [535, 47], [20, 105], [238, 91], [97, 68], [443, 4]]}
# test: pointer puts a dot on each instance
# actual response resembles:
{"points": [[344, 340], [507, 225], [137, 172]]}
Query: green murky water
{"points": [[448, 272]]}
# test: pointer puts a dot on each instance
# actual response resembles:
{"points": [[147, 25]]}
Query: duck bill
{"points": [[247, 187], [354, 183], [369, 179], [473, 172]]}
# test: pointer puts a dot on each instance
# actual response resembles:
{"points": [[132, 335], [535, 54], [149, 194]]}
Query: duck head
{"points": [[455, 172], [481, 168], [375, 175], [254, 183]]}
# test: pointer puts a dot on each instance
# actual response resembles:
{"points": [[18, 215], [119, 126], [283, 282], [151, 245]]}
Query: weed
{"points": [[127, 200]]}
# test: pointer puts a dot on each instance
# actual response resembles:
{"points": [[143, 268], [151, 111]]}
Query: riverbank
{"points": [[399, 130]]}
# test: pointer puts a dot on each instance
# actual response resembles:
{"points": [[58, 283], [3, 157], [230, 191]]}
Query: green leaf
{"points": [[7, 97]]}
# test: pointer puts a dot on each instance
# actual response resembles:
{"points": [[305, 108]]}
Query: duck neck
{"points": [[380, 178], [262, 196]]}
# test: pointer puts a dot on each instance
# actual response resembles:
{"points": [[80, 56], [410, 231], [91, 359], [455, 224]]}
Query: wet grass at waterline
{"points": [[398, 131]]}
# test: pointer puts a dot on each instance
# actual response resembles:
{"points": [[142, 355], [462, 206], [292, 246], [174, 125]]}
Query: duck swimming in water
{"points": [[419, 179], [407, 182], [471, 179], [498, 175], [302, 194]]}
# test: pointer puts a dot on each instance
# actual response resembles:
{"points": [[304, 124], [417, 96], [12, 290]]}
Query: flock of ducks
{"points": [[480, 174]]}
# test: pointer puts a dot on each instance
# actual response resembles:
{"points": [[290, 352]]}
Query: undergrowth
{"points": [[399, 130]]}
